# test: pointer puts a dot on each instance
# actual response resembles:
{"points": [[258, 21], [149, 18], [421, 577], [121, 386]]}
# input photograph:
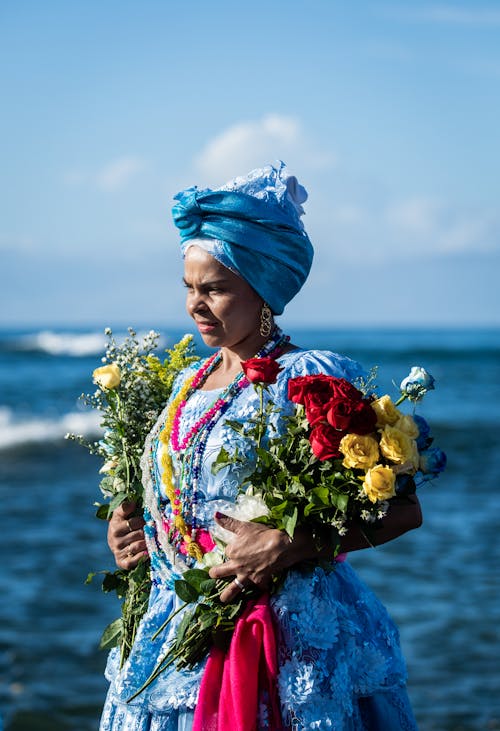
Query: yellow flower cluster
{"points": [[167, 477], [395, 443]]}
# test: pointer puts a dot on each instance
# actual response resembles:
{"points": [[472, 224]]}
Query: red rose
{"points": [[261, 370], [351, 415], [364, 420], [325, 441], [343, 389], [340, 411], [316, 407], [319, 385]]}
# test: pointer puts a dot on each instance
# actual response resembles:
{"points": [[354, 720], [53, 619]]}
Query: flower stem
{"points": [[261, 415], [168, 619], [156, 672]]}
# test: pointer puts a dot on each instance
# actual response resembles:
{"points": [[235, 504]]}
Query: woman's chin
{"points": [[212, 339]]}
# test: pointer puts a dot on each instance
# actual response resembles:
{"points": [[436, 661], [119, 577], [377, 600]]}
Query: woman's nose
{"points": [[196, 302]]}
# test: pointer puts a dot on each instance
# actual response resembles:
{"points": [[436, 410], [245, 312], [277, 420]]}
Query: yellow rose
{"points": [[407, 424], [386, 411], [360, 452], [107, 376], [379, 483], [398, 447]]}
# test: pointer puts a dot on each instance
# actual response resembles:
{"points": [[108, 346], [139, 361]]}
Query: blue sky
{"points": [[388, 113]]}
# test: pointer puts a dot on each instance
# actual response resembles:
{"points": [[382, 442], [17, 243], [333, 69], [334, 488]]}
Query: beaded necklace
{"points": [[191, 448]]}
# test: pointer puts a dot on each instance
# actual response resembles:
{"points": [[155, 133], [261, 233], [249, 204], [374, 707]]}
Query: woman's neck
{"points": [[230, 364], [231, 357]]}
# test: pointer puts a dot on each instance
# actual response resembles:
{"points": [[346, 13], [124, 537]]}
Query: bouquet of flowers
{"points": [[133, 386], [342, 455]]}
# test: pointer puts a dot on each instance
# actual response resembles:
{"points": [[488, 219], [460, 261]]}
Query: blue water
{"points": [[440, 583]]}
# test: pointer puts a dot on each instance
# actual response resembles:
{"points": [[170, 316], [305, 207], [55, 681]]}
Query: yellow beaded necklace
{"points": [[167, 477]]}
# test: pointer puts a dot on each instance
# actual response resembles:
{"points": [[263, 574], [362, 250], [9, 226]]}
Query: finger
{"points": [[130, 562], [226, 521], [135, 523], [120, 527], [223, 570], [231, 591], [125, 509], [130, 539], [132, 551]]}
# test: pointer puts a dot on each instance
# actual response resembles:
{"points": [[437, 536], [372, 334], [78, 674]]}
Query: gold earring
{"points": [[266, 320]]}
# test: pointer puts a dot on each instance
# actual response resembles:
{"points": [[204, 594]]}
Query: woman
{"points": [[339, 663]]}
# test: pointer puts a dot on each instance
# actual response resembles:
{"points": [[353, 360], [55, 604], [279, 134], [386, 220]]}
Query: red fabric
{"points": [[233, 681]]}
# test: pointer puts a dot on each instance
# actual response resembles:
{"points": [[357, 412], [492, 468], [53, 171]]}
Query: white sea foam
{"points": [[19, 431], [74, 344]]}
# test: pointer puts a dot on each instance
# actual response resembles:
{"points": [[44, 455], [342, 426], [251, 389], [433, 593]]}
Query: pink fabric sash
{"points": [[234, 682]]}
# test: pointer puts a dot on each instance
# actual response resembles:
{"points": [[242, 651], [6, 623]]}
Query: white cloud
{"points": [[416, 216], [409, 228], [112, 176], [17, 242], [438, 227], [118, 173], [348, 214], [252, 144], [450, 15]]}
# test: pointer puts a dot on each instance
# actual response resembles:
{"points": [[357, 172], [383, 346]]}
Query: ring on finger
{"points": [[238, 583]]}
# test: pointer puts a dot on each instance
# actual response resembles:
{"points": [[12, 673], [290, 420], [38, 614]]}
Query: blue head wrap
{"points": [[252, 226]]}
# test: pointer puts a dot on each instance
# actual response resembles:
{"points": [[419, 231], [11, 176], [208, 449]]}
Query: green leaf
{"points": [[320, 496], [208, 587], [90, 577], [113, 581], [102, 512], [186, 591], [208, 619], [223, 460], [237, 426], [183, 626], [341, 501], [196, 577], [117, 501], [112, 635], [290, 521]]}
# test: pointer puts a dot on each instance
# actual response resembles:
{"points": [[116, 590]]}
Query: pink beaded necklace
{"points": [[271, 348], [183, 496]]}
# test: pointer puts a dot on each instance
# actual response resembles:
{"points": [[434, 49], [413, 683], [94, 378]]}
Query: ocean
{"points": [[440, 583]]}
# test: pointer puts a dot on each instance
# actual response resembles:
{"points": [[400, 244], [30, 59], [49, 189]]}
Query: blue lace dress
{"points": [[340, 664]]}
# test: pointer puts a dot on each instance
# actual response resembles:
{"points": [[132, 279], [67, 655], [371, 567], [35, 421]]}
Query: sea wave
{"points": [[73, 344], [61, 343], [15, 431]]}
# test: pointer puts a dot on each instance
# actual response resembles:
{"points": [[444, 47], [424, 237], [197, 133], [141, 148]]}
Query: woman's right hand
{"points": [[126, 537]]}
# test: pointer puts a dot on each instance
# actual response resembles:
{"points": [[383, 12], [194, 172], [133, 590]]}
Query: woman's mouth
{"points": [[206, 327]]}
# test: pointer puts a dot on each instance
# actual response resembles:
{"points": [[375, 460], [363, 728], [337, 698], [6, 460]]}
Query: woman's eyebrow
{"points": [[207, 283]]}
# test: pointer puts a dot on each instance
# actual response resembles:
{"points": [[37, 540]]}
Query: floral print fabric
{"points": [[341, 667]]}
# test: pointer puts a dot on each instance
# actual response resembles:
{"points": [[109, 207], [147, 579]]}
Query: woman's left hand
{"points": [[256, 554]]}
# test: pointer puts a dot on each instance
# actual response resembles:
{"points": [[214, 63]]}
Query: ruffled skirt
{"points": [[340, 663]]}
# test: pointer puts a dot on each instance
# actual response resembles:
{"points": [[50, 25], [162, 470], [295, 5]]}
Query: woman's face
{"points": [[223, 305]]}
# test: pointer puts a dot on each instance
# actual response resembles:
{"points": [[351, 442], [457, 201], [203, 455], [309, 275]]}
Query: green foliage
{"points": [[298, 488], [208, 623], [112, 635], [128, 412]]}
